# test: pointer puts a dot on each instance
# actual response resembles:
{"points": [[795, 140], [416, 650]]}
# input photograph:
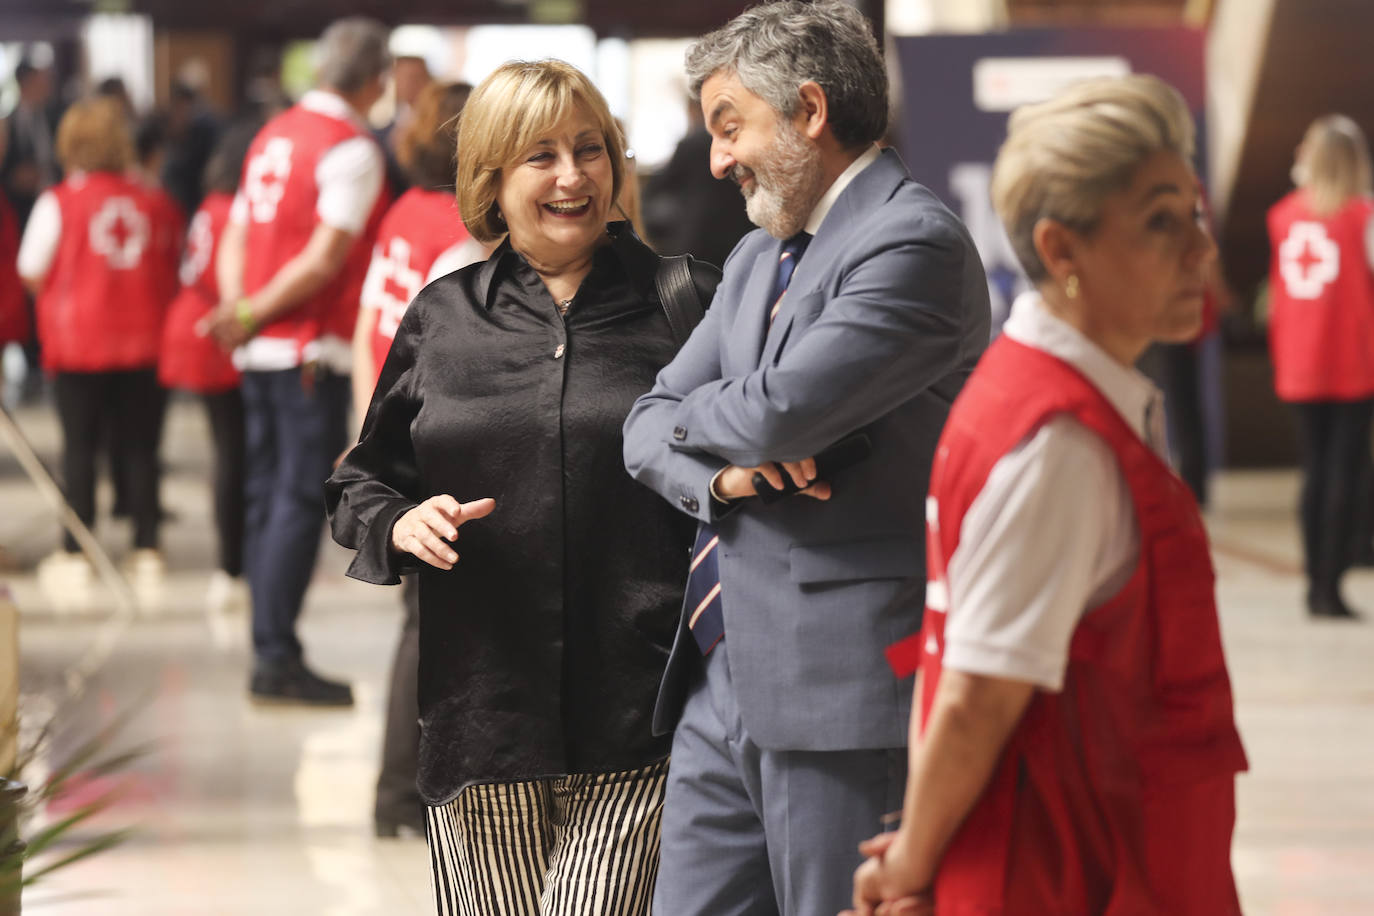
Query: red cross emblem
{"points": [[264, 182], [119, 233], [1308, 260]]}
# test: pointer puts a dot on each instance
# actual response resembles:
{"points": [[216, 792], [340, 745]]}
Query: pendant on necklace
{"points": [[564, 305]]}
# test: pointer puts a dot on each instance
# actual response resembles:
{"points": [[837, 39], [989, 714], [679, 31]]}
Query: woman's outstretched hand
{"points": [[426, 530]]}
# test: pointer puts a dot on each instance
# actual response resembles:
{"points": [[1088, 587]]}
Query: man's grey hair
{"points": [[352, 53], [776, 47]]}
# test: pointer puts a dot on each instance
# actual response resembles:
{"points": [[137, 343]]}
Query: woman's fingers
{"points": [[456, 513], [478, 508], [426, 530], [875, 846], [427, 546], [438, 520]]}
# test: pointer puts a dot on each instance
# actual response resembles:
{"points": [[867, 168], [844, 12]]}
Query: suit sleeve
{"points": [[683, 478], [895, 327], [378, 481]]}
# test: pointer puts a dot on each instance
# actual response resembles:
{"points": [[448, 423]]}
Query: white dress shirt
{"points": [[1053, 532], [832, 194]]}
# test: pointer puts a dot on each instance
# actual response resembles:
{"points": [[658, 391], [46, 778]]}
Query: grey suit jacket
{"points": [[882, 323]]}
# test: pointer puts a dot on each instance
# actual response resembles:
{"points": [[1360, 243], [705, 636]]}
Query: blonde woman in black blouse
{"points": [[499, 411]]}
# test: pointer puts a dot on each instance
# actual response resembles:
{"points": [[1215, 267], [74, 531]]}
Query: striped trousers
{"points": [[579, 845]]}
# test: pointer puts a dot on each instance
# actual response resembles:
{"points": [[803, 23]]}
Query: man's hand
{"points": [[224, 327], [886, 884], [736, 482], [425, 530]]}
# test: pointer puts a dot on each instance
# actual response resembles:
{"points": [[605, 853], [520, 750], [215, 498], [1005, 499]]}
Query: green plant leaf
{"points": [[99, 844]]}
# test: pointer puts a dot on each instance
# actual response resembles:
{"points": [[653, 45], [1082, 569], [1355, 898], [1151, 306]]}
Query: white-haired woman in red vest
{"points": [[1321, 336], [99, 253], [1074, 749]]}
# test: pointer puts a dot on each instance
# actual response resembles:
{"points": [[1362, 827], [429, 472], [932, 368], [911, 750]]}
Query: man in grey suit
{"points": [[862, 307]]}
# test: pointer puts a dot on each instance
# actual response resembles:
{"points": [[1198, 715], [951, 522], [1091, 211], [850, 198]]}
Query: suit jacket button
{"points": [[679, 433], [690, 504]]}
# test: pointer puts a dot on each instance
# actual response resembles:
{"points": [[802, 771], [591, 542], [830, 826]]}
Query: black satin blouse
{"points": [[541, 650]]}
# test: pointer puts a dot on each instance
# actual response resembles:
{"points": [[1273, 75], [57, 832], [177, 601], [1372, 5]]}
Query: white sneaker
{"points": [[65, 580], [147, 573], [226, 594], [146, 565]]}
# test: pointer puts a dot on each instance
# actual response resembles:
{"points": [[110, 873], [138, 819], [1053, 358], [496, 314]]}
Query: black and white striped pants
{"points": [[580, 845]]}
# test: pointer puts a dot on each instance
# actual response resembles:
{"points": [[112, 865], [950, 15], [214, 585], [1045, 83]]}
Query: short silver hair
{"points": [[776, 47], [351, 53], [1063, 157]]}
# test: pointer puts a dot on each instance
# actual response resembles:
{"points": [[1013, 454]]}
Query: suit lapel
{"points": [[751, 321]]}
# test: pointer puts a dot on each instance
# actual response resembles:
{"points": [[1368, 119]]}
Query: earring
{"points": [[1071, 286]]}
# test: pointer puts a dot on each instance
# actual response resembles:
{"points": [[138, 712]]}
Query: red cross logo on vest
{"points": [[200, 247], [1308, 260], [399, 284], [264, 182], [119, 233]]}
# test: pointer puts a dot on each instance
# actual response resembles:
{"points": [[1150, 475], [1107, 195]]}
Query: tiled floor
{"points": [[240, 810]]}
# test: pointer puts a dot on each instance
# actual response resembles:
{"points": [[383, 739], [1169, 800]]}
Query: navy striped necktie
{"points": [[705, 618]]}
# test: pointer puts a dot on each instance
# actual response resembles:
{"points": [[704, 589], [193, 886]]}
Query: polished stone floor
{"points": [[240, 810]]}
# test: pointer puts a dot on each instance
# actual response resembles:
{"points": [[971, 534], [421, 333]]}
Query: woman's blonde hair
{"points": [[94, 136], [506, 115], [1333, 163], [1062, 158]]}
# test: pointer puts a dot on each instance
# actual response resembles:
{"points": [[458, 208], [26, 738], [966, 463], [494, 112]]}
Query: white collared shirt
{"points": [[1053, 532], [832, 194]]}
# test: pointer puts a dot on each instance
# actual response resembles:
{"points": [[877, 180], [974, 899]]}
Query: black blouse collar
{"points": [[639, 261]]}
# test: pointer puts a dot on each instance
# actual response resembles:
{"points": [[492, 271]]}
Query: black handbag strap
{"points": [[677, 292]]}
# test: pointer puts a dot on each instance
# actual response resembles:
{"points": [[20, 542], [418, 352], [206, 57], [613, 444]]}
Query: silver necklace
{"points": [[564, 305]]}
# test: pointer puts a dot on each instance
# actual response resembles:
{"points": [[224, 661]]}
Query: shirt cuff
{"points": [[715, 494]]}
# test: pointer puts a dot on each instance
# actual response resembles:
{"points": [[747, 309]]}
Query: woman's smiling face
{"points": [[557, 195]]}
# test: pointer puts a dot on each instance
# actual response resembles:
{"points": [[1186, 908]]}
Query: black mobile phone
{"points": [[849, 451]]}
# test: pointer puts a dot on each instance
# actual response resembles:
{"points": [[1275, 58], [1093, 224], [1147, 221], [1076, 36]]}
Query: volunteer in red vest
{"points": [[1321, 338], [290, 270], [95, 253], [422, 238], [193, 362], [1073, 747]]}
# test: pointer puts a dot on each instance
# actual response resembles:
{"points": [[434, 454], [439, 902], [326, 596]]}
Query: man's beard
{"points": [[786, 187]]}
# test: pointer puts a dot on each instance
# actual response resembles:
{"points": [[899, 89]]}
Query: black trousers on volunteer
{"points": [[127, 402]]}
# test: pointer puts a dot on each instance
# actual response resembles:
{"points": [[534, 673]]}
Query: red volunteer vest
{"points": [[1321, 295], [1115, 796], [104, 299], [14, 310], [189, 360], [279, 185], [419, 227]]}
